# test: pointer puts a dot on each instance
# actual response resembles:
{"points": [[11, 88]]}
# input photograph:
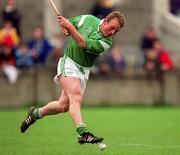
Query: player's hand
{"points": [[64, 23], [65, 31]]}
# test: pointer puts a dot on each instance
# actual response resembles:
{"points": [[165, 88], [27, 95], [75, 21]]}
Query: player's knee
{"points": [[64, 108], [77, 97]]}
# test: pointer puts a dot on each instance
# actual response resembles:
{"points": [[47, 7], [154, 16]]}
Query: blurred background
{"points": [[142, 68]]}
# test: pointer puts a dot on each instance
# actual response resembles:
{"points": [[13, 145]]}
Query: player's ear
{"points": [[105, 20]]}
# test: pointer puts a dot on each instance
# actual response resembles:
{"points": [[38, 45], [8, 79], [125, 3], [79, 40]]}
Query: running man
{"points": [[90, 37]]}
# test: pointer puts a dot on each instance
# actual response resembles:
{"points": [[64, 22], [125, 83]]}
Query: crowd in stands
{"points": [[15, 54], [157, 59], [113, 62]]}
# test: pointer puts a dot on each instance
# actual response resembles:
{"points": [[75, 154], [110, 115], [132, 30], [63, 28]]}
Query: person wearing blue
{"points": [[24, 57], [40, 46]]}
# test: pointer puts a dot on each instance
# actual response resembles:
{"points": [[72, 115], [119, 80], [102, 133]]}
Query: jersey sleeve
{"points": [[75, 20], [98, 47]]}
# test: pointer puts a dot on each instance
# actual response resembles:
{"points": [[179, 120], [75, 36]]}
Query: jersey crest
{"points": [[89, 29]]}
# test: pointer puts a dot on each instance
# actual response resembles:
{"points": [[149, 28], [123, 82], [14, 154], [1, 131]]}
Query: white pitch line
{"points": [[147, 145]]}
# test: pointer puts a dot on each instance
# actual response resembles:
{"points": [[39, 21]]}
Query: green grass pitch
{"points": [[127, 131]]}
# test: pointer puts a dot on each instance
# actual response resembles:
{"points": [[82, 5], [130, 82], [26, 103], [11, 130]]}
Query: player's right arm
{"points": [[93, 45]]}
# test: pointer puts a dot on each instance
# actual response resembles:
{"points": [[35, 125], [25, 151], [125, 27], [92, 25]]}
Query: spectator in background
{"points": [[8, 35], [24, 57], [7, 63], [39, 46], [114, 62], [11, 13], [151, 62], [158, 60], [149, 38], [163, 57], [102, 8]]}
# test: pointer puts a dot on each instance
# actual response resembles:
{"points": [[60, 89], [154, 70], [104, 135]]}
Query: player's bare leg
{"points": [[56, 107], [72, 87], [51, 108]]}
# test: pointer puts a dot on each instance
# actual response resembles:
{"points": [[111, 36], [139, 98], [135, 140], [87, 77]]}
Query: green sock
{"points": [[37, 114], [82, 128]]}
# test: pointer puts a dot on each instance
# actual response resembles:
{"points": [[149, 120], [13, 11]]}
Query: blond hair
{"points": [[118, 15]]}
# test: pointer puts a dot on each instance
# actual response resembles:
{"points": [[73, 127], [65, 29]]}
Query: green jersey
{"points": [[96, 43]]}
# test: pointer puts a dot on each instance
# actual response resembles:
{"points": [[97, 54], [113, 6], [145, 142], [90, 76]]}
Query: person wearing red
{"points": [[9, 36], [7, 63], [163, 58], [158, 60]]}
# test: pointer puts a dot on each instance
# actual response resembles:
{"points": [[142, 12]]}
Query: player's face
{"points": [[110, 28]]}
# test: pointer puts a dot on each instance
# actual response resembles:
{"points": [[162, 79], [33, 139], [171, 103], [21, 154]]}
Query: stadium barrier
{"points": [[37, 86]]}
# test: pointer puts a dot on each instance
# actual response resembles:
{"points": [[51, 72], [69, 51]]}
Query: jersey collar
{"points": [[100, 23]]}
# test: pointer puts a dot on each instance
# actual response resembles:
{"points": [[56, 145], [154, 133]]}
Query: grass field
{"points": [[127, 131]]}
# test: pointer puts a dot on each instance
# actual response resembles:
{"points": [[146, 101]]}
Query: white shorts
{"points": [[67, 67]]}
